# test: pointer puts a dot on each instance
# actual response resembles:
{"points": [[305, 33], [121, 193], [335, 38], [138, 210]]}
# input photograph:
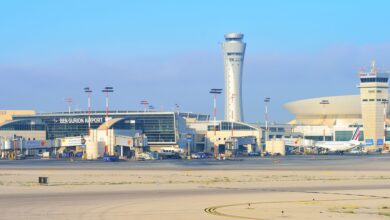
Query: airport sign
{"points": [[79, 120], [74, 141], [33, 144]]}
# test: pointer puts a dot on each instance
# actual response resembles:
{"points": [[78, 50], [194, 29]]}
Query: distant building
{"points": [[237, 137], [233, 53], [335, 117]]}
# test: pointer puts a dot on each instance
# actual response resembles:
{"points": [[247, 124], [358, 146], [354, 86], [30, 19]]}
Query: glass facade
{"points": [[25, 125], [227, 126], [198, 117], [347, 135], [343, 135], [319, 138], [160, 128], [387, 135]]}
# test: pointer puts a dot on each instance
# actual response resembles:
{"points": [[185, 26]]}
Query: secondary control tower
{"points": [[374, 100], [233, 54]]}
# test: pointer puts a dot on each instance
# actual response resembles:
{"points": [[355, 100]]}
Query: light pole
{"points": [[384, 102], [88, 91], [323, 103], [106, 90], [189, 138], [145, 103], [177, 108], [266, 101], [14, 154], [233, 96], [68, 100], [215, 92]]}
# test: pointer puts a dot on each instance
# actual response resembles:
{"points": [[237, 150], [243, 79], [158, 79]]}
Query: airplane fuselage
{"points": [[336, 146]]}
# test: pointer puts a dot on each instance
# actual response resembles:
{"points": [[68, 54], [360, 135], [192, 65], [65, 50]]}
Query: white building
{"points": [[233, 53], [227, 136], [374, 97]]}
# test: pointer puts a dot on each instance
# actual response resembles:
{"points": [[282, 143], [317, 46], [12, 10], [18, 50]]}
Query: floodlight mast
{"points": [[324, 103], [266, 101], [232, 119], [106, 90], [88, 91], [215, 92], [385, 102], [145, 103], [69, 100], [177, 108]]}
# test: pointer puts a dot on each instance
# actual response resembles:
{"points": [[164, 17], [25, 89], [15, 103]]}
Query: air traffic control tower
{"points": [[374, 98], [233, 54]]}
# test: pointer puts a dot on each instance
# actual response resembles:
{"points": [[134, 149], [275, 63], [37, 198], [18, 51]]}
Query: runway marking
{"points": [[213, 210]]}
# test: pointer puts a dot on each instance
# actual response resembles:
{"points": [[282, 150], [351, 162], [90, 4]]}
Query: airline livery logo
{"points": [[356, 134]]}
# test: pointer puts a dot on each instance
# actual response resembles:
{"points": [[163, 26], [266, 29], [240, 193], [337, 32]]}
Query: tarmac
{"points": [[292, 187], [290, 162]]}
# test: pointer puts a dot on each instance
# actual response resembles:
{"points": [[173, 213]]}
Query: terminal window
{"points": [[379, 79]]}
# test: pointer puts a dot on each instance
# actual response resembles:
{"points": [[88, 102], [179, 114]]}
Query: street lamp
{"points": [[266, 101], [232, 127], [68, 100], [177, 108], [215, 92], [88, 91], [106, 90], [323, 103], [145, 103], [384, 102], [189, 138]]}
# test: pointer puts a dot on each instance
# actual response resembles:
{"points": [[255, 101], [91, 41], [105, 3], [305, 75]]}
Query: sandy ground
{"points": [[194, 194]]}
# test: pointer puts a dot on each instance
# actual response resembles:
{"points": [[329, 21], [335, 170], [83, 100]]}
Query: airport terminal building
{"points": [[162, 129], [335, 121]]}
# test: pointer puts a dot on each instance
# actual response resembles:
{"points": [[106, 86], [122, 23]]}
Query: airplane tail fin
{"points": [[356, 135]]}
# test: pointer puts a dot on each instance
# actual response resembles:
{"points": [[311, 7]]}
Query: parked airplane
{"points": [[341, 146], [171, 152]]}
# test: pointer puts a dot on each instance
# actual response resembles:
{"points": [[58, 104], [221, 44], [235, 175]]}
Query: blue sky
{"points": [[168, 51]]}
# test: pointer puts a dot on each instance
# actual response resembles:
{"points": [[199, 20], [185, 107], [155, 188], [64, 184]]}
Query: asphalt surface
{"points": [[379, 162], [194, 200]]}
